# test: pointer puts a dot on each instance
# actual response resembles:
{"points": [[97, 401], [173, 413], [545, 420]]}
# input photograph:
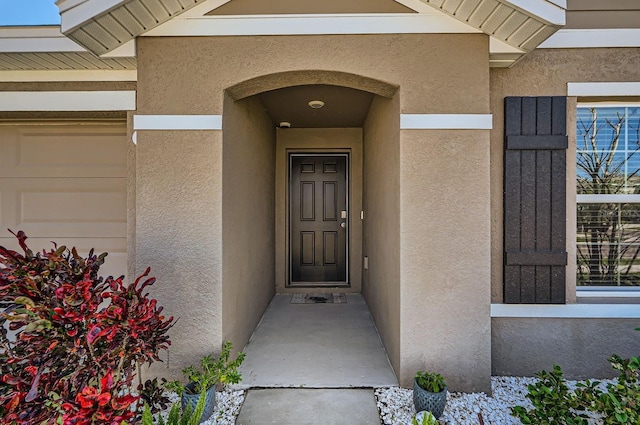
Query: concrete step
{"points": [[306, 406]]}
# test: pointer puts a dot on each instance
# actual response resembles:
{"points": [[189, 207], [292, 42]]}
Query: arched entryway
{"points": [[358, 122]]}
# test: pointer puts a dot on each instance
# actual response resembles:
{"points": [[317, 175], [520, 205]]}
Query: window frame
{"points": [[602, 292]]}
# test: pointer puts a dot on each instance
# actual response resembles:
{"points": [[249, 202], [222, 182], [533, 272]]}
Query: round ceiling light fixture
{"points": [[316, 104]]}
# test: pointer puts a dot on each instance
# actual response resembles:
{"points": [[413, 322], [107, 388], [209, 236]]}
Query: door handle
{"points": [[343, 225]]}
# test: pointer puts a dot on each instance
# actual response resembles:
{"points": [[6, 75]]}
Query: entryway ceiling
{"points": [[343, 107]]}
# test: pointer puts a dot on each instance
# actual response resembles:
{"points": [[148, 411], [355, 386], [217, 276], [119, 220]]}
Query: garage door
{"points": [[66, 182]]}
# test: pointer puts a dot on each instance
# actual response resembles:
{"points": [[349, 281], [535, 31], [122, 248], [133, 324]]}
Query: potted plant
{"points": [[212, 372], [429, 393], [176, 417]]}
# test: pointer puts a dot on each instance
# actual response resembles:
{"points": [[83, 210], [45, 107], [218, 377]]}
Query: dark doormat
{"points": [[318, 299]]}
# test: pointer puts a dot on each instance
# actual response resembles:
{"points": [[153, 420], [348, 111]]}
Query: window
{"points": [[608, 195]]}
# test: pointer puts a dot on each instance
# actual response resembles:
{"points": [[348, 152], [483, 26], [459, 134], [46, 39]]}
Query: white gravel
{"points": [[396, 404]]}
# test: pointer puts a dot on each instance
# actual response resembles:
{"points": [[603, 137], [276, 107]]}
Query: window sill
{"points": [[628, 310]]}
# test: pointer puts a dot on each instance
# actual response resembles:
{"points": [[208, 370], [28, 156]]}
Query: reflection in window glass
{"points": [[608, 163], [608, 244]]}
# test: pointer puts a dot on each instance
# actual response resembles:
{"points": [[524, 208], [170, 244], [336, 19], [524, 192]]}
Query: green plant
{"points": [[433, 382], [78, 340], [620, 404], [553, 403], [426, 418], [176, 417], [213, 371]]}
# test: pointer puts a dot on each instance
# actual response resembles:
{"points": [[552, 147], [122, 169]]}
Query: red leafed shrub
{"points": [[72, 343]]}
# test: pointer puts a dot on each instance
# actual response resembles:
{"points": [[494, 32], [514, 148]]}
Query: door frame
{"points": [[319, 153]]}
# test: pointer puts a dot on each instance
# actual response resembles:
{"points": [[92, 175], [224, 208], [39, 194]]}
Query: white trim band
{"points": [[567, 311], [396, 23], [586, 38], [604, 89], [119, 100], [446, 121], [177, 122]]}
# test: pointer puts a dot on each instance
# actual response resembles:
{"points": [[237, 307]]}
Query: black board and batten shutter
{"points": [[535, 254]]}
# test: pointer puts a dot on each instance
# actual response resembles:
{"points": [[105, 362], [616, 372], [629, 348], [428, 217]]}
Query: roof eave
{"points": [[104, 25]]}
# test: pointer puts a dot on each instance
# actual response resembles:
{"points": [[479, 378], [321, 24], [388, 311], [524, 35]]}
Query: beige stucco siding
{"points": [[526, 345], [187, 75], [444, 254], [248, 235], [546, 72], [435, 74], [381, 281], [179, 235]]}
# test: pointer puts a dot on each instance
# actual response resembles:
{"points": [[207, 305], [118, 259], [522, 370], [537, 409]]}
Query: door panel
{"points": [[318, 232]]}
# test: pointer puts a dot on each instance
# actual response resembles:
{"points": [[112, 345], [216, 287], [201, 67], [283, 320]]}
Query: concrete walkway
{"points": [[314, 363]]}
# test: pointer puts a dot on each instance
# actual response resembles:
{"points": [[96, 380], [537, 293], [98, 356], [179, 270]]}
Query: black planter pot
{"points": [[426, 400], [192, 400]]}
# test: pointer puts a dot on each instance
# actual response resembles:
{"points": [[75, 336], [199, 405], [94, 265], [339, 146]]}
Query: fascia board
{"points": [[36, 40], [543, 9], [74, 17], [64, 5], [397, 23]]}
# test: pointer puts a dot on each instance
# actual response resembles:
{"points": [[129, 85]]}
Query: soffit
{"points": [[518, 23], [343, 107], [46, 48], [104, 25]]}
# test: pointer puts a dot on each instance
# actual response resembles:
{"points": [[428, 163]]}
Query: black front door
{"points": [[318, 219]]}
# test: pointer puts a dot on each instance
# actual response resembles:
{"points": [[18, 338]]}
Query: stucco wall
{"points": [[248, 158], [444, 256], [381, 282], [436, 73], [178, 226], [523, 347], [546, 72], [339, 140]]}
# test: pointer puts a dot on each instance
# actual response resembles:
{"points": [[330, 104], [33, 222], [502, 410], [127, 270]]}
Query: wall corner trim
{"points": [[446, 121], [621, 88], [177, 122], [566, 311]]}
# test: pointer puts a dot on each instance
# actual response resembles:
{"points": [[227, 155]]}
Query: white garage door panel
{"points": [[64, 207], [66, 182], [115, 264], [63, 151]]}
